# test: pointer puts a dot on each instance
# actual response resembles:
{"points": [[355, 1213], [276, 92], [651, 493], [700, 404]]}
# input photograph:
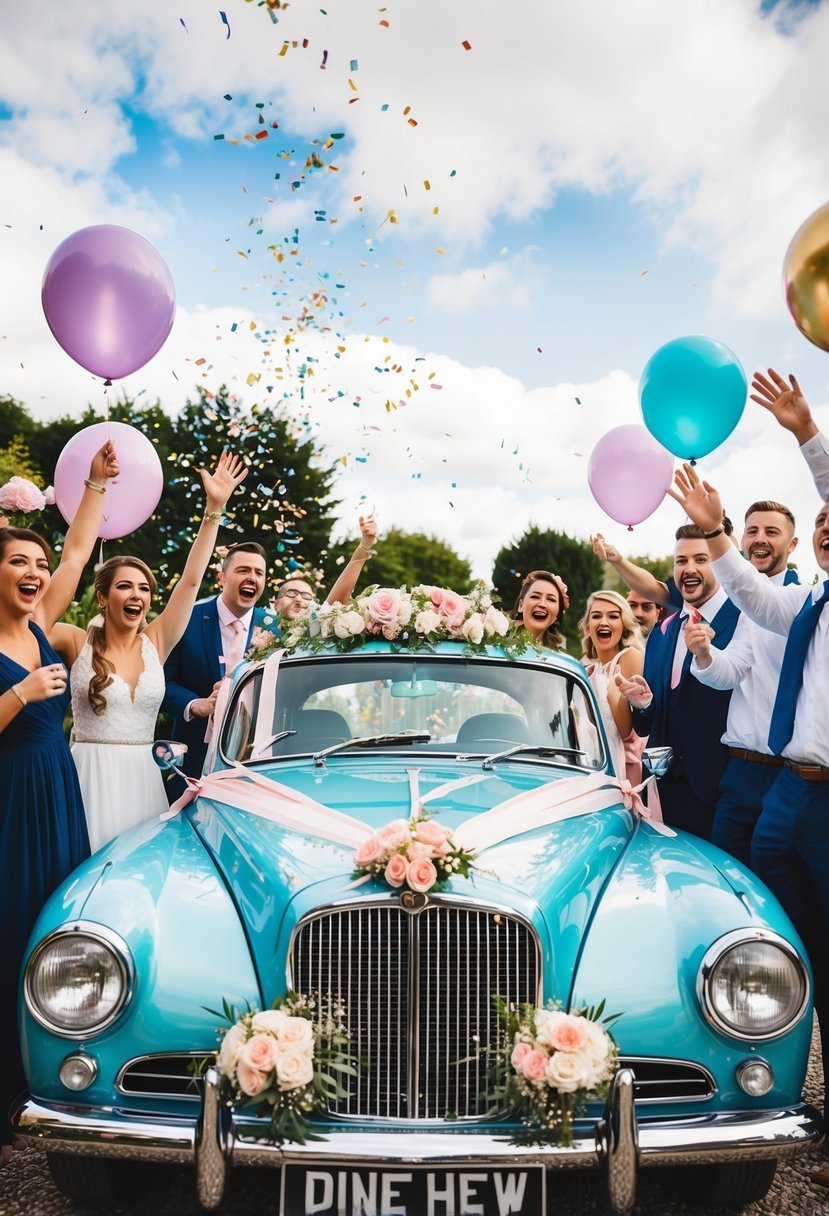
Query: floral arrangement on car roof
{"points": [[20, 499], [550, 1063], [418, 853], [414, 618], [287, 1060]]}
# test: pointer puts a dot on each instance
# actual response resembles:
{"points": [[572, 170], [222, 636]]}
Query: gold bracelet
{"points": [[212, 517], [368, 553], [15, 688], [93, 485]]}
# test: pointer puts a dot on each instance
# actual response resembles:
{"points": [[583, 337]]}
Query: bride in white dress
{"points": [[612, 645], [117, 675]]}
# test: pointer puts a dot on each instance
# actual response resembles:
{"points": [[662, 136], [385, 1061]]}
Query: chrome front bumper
{"points": [[616, 1144]]}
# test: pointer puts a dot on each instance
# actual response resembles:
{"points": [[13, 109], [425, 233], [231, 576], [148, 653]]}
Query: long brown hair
{"points": [[9, 533], [552, 636], [102, 667]]}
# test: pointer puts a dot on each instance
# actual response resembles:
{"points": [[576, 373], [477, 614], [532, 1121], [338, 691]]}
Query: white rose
{"points": [[231, 1048], [473, 629], [496, 622], [341, 627], [597, 1052], [294, 1068], [427, 621], [568, 1071], [545, 1022], [404, 612], [271, 1020], [298, 1032], [354, 622]]}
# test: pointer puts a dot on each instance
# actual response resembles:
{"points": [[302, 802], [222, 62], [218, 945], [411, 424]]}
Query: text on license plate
{"points": [[411, 1190]]}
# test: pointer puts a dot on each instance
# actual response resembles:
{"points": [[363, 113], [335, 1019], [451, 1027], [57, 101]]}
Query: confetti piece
{"points": [[218, 136], [354, 65], [578, 402], [199, 362], [467, 46], [261, 135], [384, 23], [183, 25], [384, 107], [228, 97], [225, 22], [324, 59], [426, 185]]}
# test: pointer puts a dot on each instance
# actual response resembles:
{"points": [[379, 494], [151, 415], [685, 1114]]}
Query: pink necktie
{"points": [[235, 651]]}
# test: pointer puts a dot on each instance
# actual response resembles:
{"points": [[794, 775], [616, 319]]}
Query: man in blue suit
{"points": [[215, 639], [676, 710]]}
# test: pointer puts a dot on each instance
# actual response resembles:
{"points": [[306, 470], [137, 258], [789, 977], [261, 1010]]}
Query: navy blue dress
{"points": [[42, 838]]}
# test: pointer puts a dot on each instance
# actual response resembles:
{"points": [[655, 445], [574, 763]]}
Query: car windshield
{"points": [[465, 706]]}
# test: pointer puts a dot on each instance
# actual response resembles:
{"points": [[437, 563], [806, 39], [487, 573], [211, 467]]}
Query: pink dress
{"points": [[625, 753]]}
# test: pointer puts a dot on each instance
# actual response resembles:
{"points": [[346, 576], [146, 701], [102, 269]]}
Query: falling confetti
{"points": [[225, 22]]}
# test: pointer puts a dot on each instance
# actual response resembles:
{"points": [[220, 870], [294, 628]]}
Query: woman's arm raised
{"points": [[170, 624]]}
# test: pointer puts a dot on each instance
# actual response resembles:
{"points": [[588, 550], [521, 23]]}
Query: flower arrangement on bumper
{"points": [[418, 853], [550, 1063], [416, 618], [20, 499], [286, 1060]]}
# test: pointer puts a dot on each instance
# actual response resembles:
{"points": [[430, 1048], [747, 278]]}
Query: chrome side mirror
{"points": [[657, 760], [168, 752]]}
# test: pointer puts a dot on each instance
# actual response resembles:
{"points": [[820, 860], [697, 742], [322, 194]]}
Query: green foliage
{"points": [[572, 559], [405, 559], [16, 461], [285, 503], [660, 567]]}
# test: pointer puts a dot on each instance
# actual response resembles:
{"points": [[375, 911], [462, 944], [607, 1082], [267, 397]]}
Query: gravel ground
{"points": [[26, 1187]]}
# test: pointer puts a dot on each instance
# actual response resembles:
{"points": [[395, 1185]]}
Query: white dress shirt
{"points": [[707, 611], [816, 454], [750, 664], [775, 608], [227, 630]]}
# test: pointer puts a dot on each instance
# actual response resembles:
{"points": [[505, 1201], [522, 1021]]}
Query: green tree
{"points": [[573, 560], [405, 558], [16, 461], [660, 567]]}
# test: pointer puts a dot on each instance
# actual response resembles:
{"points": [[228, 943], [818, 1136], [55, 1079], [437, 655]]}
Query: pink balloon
{"points": [[628, 473], [131, 497], [109, 299]]}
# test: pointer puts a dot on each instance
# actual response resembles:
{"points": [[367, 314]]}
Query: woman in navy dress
{"points": [[42, 824]]}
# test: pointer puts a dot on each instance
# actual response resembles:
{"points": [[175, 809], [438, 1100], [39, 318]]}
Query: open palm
{"points": [[220, 484]]}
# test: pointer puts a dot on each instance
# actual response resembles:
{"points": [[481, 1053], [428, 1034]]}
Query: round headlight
{"points": [[753, 985], [78, 980]]}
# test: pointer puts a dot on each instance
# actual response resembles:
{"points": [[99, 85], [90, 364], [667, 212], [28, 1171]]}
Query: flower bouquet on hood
{"points": [[416, 618], [418, 853], [550, 1063], [285, 1061]]}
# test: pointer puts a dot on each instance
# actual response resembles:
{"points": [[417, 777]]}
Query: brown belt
{"points": [[742, 753], [809, 772]]}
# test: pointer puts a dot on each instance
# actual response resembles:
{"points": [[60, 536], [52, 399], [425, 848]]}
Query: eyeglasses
{"points": [[293, 593]]}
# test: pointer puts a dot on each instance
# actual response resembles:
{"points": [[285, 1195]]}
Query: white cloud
{"points": [[507, 284]]}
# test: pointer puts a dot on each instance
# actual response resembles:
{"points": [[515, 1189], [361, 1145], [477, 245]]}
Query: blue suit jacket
{"points": [[191, 670], [691, 717]]}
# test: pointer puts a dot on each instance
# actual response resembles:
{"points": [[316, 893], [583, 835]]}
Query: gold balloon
{"points": [[806, 278]]}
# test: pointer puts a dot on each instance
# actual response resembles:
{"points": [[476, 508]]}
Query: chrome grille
{"points": [[417, 990], [167, 1075], [668, 1080]]}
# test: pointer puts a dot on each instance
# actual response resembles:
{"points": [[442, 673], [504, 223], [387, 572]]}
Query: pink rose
{"points": [[421, 875], [431, 832], [396, 870], [534, 1065], [389, 632], [395, 834], [519, 1054], [369, 851], [568, 1034], [261, 639], [418, 851], [18, 494], [250, 1080], [260, 1052], [436, 595], [453, 609], [384, 606], [49, 495]]}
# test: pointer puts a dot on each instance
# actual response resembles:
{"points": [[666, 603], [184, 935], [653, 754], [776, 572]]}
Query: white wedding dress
{"points": [[120, 782]]}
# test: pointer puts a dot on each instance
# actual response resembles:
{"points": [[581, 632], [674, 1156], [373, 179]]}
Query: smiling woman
{"points": [[540, 606]]}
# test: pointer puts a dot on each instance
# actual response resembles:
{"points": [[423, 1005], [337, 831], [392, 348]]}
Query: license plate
{"points": [[411, 1190]]}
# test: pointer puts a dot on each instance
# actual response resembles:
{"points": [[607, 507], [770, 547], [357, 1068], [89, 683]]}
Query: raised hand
{"points": [[699, 500], [604, 550], [230, 472], [368, 531], [698, 637], [784, 398], [636, 691], [104, 464]]}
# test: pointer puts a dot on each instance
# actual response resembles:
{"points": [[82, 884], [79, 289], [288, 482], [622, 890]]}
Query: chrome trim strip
{"points": [[746, 1136], [120, 952], [713, 955], [150, 1057], [626, 1061]]}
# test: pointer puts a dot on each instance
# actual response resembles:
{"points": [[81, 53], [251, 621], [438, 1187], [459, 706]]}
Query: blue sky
{"points": [[607, 177]]}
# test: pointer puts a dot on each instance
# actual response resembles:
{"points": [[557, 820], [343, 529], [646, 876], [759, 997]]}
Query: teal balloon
{"points": [[692, 393]]}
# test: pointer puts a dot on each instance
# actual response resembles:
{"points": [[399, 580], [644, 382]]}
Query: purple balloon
{"points": [[109, 299], [628, 474], [131, 497]]}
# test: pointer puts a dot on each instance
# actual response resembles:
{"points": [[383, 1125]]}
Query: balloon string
{"points": [[100, 561], [107, 387]]}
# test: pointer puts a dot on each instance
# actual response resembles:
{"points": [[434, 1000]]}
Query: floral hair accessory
{"points": [[285, 1059], [418, 853], [416, 618], [550, 1063], [21, 498]]}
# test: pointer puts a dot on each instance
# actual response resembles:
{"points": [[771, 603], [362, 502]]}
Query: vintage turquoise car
{"points": [[249, 892]]}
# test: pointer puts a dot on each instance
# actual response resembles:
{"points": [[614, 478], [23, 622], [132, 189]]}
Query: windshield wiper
{"points": [[539, 749], [371, 741], [259, 750]]}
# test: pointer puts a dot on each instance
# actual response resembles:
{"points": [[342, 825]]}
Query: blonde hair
{"points": [[631, 633]]}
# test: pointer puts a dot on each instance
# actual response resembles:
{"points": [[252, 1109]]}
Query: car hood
{"points": [[553, 876]]}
